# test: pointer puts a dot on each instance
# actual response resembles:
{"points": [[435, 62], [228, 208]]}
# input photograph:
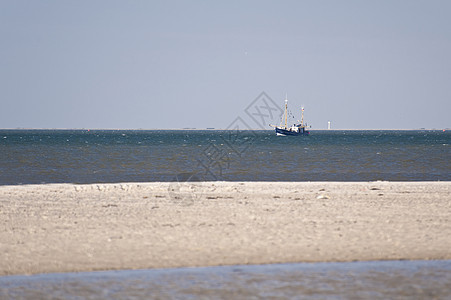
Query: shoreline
{"points": [[53, 228]]}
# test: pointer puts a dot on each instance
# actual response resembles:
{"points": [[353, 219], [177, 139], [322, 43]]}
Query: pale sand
{"points": [[64, 227]]}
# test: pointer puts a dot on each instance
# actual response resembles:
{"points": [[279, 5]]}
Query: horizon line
{"points": [[222, 129]]}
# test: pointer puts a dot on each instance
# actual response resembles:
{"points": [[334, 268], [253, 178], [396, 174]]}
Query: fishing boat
{"points": [[295, 129]]}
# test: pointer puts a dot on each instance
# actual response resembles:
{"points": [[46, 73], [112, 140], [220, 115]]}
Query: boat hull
{"points": [[285, 132]]}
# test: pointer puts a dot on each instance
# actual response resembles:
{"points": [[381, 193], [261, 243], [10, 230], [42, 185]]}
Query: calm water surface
{"points": [[357, 280], [82, 156]]}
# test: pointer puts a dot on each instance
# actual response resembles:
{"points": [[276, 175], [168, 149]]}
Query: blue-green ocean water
{"points": [[95, 156]]}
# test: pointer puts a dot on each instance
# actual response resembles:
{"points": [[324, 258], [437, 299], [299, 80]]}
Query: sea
{"points": [[109, 156]]}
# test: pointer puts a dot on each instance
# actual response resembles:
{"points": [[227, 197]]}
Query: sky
{"points": [[382, 64]]}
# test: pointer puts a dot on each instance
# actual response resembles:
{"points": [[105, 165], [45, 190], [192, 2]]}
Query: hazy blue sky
{"points": [[174, 64]]}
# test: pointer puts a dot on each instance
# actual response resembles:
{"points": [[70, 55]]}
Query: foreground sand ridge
{"points": [[66, 227]]}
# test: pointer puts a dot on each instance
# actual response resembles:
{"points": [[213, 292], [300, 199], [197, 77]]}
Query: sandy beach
{"points": [[66, 227]]}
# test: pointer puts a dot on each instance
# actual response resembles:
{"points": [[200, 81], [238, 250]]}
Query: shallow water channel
{"points": [[357, 280]]}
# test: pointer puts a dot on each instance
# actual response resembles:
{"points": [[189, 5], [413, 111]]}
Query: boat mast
{"points": [[302, 117], [286, 111]]}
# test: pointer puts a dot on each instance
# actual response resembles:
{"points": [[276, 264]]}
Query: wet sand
{"points": [[67, 228]]}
